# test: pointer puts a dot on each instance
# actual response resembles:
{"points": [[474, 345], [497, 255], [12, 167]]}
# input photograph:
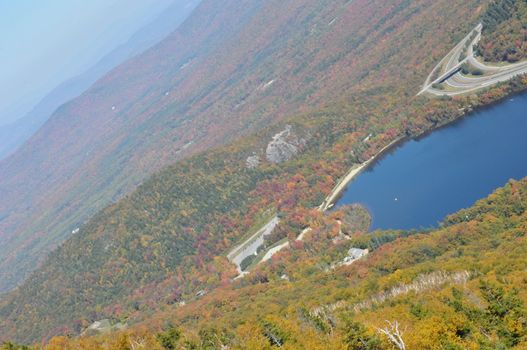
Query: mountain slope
{"points": [[461, 286], [505, 31], [167, 239], [16, 133], [229, 69], [68, 169]]}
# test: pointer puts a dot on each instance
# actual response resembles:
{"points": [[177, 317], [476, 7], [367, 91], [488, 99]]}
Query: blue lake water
{"points": [[420, 182]]}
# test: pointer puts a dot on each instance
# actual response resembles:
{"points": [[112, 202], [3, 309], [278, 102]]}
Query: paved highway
{"points": [[454, 82]]}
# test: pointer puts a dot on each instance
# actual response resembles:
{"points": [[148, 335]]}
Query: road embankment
{"points": [[351, 174]]}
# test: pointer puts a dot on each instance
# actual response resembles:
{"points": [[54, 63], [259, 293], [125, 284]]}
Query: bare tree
{"points": [[394, 334]]}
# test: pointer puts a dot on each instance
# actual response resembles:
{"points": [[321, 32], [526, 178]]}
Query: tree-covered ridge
{"points": [[459, 287], [498, 11], [166, 242], [505, 31], [462, 286], [128, 263], [162, 242], [233, 68]]}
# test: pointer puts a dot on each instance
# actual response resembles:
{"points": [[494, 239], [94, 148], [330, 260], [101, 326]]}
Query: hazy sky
{"points": [[44, 42]]}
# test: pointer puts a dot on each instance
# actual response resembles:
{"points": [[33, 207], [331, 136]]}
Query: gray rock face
{"points": [[284, 146], [354, 254], [103, 326], [252, 162]]}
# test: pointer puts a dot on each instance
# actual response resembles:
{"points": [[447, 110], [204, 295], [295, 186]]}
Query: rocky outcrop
{"points": [[284, 146], [354, 254], [252, 162]]}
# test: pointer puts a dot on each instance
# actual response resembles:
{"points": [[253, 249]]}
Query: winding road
{"points": [[450, 79]]}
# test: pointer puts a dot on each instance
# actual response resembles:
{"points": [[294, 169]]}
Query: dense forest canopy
{"points": [[462, 286], [155, 260], [505, 31]]}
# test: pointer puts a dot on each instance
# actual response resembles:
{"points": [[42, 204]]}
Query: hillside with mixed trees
{"points": [[232, 68], [505, 31], [462, 286], [164, 244]]}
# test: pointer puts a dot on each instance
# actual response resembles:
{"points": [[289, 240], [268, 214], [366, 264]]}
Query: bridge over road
{"points": [[451, 81]]}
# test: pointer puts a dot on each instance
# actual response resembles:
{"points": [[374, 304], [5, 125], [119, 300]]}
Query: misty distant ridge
{"points": [[16, 133]]}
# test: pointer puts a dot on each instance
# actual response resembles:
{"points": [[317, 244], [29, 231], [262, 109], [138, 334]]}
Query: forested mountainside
{"points": [[167, 240], [233, 67], [505, 29], [462, 286], [96, 148]]}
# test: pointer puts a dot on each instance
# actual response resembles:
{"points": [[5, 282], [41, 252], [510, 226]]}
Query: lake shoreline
{"points": [[354, 171], [334, 196]]}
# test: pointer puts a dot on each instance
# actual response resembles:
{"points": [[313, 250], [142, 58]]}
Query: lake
{"points": [[420, 182]]}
